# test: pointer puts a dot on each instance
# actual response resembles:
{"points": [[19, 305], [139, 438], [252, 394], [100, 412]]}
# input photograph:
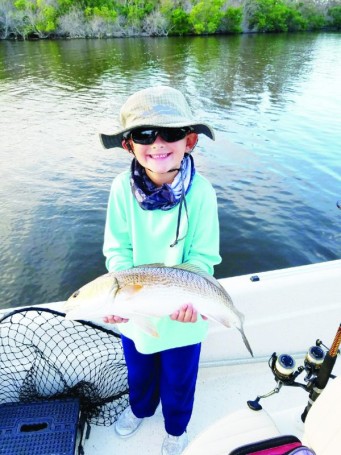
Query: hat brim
{"points": [[110, 141]]}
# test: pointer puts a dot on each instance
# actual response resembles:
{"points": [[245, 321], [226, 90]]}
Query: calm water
{"points": [[276, 164]]}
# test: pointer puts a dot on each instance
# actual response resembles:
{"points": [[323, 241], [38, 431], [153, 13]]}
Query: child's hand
{"points": [[187, 313], [114, 319]]}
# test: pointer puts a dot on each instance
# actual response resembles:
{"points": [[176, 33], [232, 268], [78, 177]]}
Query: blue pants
{"points": [[169, 376]]}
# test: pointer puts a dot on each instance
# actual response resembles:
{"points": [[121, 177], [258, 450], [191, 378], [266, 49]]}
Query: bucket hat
{"points": [[158, 106]]}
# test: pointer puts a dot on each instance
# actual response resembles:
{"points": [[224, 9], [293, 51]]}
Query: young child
{"points": [[161, 211]]}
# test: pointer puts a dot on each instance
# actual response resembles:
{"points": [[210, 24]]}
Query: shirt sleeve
{"points": [[117, 247]]}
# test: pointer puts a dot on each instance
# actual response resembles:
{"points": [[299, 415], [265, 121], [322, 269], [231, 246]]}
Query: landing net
{"points": [[43, 356]]}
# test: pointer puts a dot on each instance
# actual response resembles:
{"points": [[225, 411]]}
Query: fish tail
{"points": [[246, 342]]}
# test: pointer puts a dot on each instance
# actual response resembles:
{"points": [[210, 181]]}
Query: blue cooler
{"points": [[39, 428]]}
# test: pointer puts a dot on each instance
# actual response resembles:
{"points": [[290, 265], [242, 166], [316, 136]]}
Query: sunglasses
{"points": [[148, 136]]}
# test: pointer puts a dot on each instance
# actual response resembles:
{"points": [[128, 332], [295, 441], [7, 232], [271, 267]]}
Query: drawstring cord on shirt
{"points": [[182, 201]]}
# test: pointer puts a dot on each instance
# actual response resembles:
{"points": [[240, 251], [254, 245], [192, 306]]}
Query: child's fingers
{"points": [[111, 319], [185, 314]]}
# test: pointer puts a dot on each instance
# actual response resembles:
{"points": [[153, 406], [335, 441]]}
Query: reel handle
{"points": [[254, 404]]}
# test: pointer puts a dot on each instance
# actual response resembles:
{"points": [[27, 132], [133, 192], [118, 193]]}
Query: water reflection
{"points": [[224, 61]]}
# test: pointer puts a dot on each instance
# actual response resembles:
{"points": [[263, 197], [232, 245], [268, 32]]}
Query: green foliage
{"points": [[64, 6], [175, 17], [104, 12], [136, 10], [205, 17], [335, 14], [38, 17], [269, 16], [316, 22], [83, 4], [231, 21], [179, 23], [283, 16], [314, 19], [23, 5], [47, 18]]}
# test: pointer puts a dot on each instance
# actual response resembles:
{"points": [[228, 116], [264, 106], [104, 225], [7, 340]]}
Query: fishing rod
{"points": [[318, 366], [324, 373]]}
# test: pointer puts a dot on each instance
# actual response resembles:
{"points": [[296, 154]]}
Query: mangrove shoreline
{"points": [[39, 19]]}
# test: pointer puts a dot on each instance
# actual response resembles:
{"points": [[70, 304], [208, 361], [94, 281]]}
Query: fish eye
{"points": [[75, 294]]}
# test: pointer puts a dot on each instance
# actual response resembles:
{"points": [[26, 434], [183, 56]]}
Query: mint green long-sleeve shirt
{"points": [[134, 236]]}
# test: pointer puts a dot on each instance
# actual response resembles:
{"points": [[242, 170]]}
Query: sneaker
{"points": [[174, 445], [127, 424]]}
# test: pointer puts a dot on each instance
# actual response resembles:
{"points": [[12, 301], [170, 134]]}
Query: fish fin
{"points": [[246, 342], [130, 290], [222, 321], [146, 325]]}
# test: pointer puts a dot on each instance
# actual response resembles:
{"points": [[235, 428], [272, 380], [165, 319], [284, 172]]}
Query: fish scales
{"points": [[172, 277]]}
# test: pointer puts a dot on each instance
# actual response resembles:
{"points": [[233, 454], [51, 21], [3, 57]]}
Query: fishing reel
{"points": [[285, 373], [284, 370]]}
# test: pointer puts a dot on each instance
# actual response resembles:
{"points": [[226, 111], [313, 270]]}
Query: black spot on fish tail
{"points": [[246, 342]]}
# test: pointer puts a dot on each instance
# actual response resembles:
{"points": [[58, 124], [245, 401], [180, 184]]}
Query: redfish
{"points": [[155, 290]]}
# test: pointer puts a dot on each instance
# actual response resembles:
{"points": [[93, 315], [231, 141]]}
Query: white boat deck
{"points": [[220, 391]]}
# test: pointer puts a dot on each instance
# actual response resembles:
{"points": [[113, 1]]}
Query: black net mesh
{"points": [[43, 356]]}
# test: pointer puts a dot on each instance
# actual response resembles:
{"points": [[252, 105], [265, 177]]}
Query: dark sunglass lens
{"points": [[143, 136], [147, 137], [173, 134]]}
